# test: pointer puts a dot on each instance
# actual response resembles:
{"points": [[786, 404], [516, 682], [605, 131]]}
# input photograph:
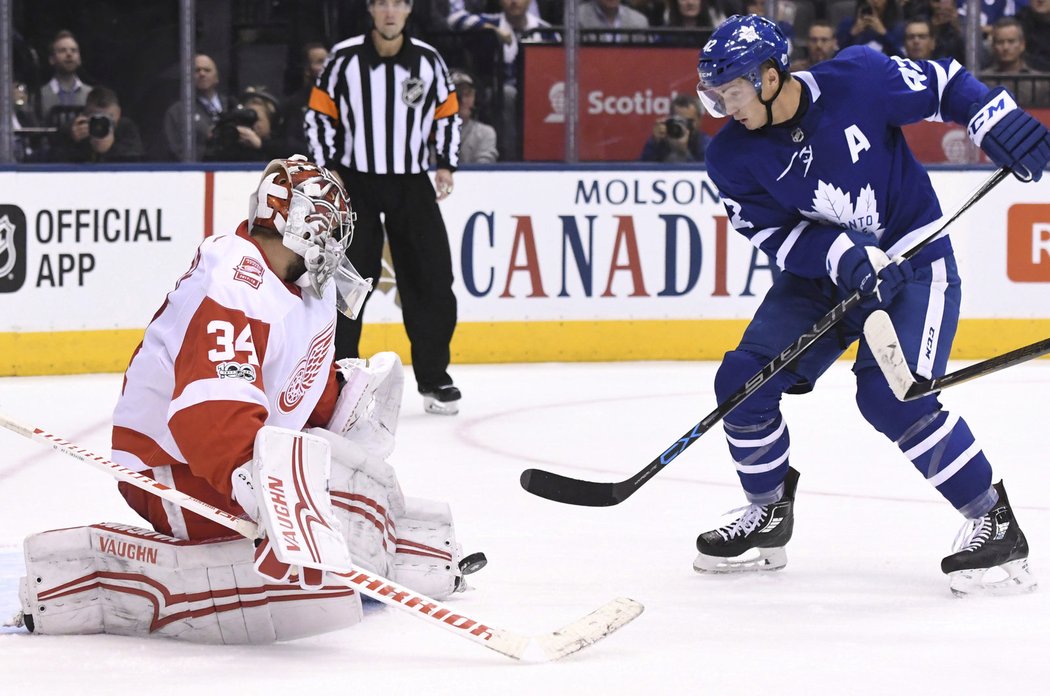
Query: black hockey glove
{"points": [[1009, 135]]}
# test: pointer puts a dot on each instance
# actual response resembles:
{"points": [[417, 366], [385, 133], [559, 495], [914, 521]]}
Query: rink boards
{"points": [[550, 264]]}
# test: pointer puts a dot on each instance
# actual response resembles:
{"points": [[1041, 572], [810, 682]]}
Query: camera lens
{"points": [[99, 126]]}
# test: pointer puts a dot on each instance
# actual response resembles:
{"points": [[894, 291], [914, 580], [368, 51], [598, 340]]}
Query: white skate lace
{"points": [[973, 534], [743, 524]]}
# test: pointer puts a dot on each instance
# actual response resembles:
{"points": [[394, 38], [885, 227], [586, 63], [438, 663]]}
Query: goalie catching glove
{"points": [[285, 490], [1009, 135]]}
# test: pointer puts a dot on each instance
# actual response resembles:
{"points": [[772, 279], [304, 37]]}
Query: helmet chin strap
{"points": [[769, 104]]}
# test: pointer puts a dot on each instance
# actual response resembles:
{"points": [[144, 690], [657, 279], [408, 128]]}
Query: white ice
{"points": [[862, 607]]}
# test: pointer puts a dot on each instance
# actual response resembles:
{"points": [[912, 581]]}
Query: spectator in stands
{"points": [[1008, 59], [992, 11], [876, 23], [678, 137], [208, 106], [612, 14], [65, 89], [918, 39], [477, 143], [947, 31], [688, 13], [513, 26], [294, 108], [246, 132], [1035, 20], [821, 45], [100, 133], [916, 9]]}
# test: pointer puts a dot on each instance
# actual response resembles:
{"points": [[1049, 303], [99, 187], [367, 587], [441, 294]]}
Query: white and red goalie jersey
{"points": [[232, 349]]}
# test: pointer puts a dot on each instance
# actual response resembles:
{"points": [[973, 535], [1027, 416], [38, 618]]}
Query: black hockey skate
{"points": [[443, 400], [762, 528], [986, 549]]}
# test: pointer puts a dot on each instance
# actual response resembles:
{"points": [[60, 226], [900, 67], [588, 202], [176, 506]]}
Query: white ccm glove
{"points": [[285, 490]]}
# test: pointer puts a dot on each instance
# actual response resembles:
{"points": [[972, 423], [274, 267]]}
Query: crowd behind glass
{"points": [[84, 92]]}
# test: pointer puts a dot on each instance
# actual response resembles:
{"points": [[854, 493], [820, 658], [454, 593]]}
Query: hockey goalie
{"points": [[233, 397]]}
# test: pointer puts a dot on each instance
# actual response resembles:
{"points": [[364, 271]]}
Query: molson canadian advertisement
{"points": [[568, 264]]}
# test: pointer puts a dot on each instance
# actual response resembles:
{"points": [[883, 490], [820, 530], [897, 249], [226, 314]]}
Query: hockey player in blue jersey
{"points": [[814, 171]]}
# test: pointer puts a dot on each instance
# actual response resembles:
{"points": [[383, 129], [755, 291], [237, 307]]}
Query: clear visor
{"points": [[350, 289], [727, 99]]}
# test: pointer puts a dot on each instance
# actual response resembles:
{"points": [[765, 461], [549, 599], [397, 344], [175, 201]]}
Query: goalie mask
{"points": [[307, 206]]}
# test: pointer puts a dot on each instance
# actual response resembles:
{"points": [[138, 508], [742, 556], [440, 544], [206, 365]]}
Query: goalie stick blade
{"points": [[886, 347], [590, 629], [562, 489]]}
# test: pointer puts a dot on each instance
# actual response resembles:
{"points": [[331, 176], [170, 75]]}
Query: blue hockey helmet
{"points": [[738, 48]]}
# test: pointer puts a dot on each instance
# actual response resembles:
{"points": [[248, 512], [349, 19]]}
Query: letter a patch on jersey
{"points": [[857, 142]]}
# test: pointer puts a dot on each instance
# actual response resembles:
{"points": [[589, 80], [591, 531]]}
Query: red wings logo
{"points": [[305, 373]]}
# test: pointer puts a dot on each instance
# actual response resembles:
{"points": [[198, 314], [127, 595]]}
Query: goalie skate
{"points": [[991, 555], [753, 541]]}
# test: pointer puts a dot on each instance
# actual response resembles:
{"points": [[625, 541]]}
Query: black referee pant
{"points": [[422, 263]]}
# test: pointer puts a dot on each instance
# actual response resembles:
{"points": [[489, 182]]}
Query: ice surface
{"points": [[861, 608]]}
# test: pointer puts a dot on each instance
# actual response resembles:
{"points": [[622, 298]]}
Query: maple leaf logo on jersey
{"points": [[305, 373], [835, 206]]}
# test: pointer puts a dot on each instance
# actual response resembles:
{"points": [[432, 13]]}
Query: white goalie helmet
{"points": [[309, 208]]}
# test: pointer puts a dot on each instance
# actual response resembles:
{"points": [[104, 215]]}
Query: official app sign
{"points": [[1028, 243], [12, 248], [94, 249]]}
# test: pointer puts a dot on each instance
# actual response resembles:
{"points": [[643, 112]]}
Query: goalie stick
{"points": [[885, 346], [547, 647], [573, 491]]}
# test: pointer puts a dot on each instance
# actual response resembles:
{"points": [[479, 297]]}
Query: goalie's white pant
{"points": [[122, 580]]}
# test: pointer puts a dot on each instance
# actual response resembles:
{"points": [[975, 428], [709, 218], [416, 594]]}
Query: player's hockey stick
{"points": [[885, 346], [550, 646], [564, 489]]}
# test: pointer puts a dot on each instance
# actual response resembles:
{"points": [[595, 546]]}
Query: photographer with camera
{"points": [[100, 133], [876, 24], [245, 133], [678, 137]]}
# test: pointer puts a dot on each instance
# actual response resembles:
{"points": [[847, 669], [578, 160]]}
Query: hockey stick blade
{"points": [[590, 629], [578, 635], [885, 346], [563, 489]]}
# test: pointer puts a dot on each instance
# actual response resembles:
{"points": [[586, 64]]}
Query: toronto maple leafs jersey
{"points": [[844, 166]]}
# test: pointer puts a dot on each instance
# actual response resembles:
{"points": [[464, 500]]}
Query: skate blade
{"points": [[764, 559], [1008, 579], [441, 408]]}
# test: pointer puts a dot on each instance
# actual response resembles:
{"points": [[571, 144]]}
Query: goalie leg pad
{"points": [[428, 556], [368, 503], [122, 580]]}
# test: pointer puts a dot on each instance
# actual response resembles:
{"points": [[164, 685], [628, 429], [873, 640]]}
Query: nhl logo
{"points": [[412, 92], [797, 135]]}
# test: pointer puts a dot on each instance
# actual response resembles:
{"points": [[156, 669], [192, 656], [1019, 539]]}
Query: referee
{"points": [[370, 116]]}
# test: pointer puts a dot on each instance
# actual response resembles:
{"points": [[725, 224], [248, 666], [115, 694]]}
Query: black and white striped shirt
{"points": [[374, 114]]}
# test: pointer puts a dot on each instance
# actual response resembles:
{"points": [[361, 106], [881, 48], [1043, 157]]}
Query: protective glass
{"points": [[350, 289], [728, 98]]}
